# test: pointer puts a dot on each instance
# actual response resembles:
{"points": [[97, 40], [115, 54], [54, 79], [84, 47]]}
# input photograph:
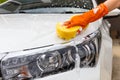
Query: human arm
{"points": [[112, 4], [92, 15]]}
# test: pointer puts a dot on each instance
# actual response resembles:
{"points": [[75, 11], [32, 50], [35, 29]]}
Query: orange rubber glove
{"points": [[84, 19]]}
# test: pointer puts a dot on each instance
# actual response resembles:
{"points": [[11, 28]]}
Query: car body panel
{"points": [[33, 30]]}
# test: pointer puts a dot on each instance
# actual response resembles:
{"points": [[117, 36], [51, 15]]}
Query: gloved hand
{"points": [[76, 20], [90, 16]]}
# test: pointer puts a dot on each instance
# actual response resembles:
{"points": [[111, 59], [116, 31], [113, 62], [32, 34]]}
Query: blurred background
{"points": [[2, 1]]}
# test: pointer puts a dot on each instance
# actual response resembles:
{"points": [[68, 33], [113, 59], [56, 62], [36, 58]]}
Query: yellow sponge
{"points": [[66, 33]]}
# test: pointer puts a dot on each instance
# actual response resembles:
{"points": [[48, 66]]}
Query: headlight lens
{"points": [[38, 63], [49, 61], [89, 50]]}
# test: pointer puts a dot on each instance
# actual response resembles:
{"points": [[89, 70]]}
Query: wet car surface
{"points": [[30, 48]]}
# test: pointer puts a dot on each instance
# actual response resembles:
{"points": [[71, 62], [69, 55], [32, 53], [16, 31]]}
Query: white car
{"points": [[31, 50]]}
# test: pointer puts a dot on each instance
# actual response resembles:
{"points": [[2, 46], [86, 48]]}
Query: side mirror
{"points": [[113, 13]]}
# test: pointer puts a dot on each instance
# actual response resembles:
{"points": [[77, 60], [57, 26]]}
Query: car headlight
{"points": [[41, 62], [89, 49]]}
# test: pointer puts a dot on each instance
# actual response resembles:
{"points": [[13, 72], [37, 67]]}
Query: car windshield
{"points": [[47, 6]]}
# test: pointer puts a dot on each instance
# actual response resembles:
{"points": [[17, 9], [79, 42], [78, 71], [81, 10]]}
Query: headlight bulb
{"points": [[48, 62]]}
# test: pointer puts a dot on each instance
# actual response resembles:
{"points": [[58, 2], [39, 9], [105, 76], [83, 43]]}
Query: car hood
{"points": [[24, 31]]}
